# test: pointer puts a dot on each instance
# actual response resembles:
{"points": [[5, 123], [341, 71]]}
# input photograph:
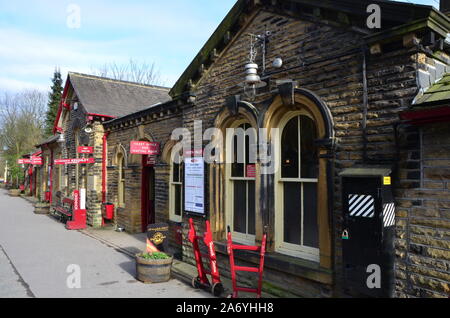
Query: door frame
{"points": [[147, 176]]}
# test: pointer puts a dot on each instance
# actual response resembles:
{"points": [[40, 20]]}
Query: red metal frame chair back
{"points": [[234, 268]]}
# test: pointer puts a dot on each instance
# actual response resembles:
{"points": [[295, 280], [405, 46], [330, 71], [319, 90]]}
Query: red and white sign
{"points": [[76, 200], [84, 149], [32, 161], [36, 161], [251, 171], [76, 161], [144, 148]]}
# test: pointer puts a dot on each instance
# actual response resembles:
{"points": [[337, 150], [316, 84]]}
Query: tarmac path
{"points": [[40, 258]]}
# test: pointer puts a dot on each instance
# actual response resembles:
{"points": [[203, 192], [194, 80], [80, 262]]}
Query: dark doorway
{"points": [[147, 193]]}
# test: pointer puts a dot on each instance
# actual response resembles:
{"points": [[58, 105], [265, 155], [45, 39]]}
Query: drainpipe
{"points": [[365, 104], [105, 149], [51, 176]]}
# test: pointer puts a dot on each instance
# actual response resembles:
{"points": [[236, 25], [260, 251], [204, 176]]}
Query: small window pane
{"points": [[176, 172], [309, 159], [292, 212], [177, 199], [310, 226], [240, 217], [237, 169], [289, 150], [251, 207]]}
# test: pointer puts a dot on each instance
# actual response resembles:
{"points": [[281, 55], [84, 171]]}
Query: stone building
{"points": [[334, 84], [344, 92], [87, 102]]}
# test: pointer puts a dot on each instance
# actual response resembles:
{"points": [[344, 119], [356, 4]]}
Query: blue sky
{"points": [[35, 37]]}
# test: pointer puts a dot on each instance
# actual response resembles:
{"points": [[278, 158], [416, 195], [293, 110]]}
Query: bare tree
{"points": [[22, 122], [143, 73]]}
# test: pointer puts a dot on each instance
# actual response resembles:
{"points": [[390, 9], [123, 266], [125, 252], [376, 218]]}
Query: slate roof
{"points": [[394, 14], [47, 141], [104, 96], [438, 92]]}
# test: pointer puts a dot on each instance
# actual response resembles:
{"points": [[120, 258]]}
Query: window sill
{"points": [[283, 263]]}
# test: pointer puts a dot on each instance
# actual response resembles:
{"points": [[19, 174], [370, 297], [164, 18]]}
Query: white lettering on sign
{"points": [[144, 148], [74, 161]]}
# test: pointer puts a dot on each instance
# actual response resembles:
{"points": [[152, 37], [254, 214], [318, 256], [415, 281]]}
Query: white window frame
{"points": [[237, 236], [299, 251], [121, 182], [172, 185]]}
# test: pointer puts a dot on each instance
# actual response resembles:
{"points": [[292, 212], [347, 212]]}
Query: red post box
{"points": [[108, 211]]}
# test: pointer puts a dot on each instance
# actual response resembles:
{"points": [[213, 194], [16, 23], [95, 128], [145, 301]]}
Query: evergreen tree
{"points": [[53, 102]]}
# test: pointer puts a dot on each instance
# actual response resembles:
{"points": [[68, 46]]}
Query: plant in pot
{"points": [[153, 267], [42, 207], [14, 192]]}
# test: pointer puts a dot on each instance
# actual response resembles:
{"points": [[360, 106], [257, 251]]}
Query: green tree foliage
{"points": [[54, 98]]}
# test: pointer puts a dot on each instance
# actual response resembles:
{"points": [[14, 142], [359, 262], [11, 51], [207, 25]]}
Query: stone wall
{"points": [[338, 80], [423, 214], [148, 128]]}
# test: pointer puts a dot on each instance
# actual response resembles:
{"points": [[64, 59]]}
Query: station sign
{"points": [[33, 161], [144, 148], [24, 161], [85, 149], [74, 161], [36, 160]]}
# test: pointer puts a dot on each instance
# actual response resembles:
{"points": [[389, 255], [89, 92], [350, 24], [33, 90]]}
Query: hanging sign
{"points": [[75, 161], [85, 149], [144, 148], [194, 185], [36, 160], [32, 161]]}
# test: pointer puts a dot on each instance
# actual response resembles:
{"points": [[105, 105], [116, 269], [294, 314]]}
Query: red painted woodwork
{"points": [[147, 195]]}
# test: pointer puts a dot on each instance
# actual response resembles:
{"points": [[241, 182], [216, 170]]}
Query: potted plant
{"points": [[153, 267], [42, 207], [14, 192]]}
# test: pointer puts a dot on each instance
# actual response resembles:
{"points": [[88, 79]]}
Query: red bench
{"points": [[65, 210]]}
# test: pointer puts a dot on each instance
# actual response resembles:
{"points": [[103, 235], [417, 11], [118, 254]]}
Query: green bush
{"points": [[156, 255]]}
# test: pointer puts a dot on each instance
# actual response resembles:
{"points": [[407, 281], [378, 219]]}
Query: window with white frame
{"points": [[241, 187], [296, 215], [176, 192], [121, 181]]}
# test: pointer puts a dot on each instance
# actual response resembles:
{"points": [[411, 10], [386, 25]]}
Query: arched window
{"points": [[241, 175], [121, 181], [297, 230], [176, 191]]}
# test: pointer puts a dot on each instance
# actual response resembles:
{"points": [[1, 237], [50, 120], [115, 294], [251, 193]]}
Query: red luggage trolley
{"points": [[201, 281], [259, 270]]}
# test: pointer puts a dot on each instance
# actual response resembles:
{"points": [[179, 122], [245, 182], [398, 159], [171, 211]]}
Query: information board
{"points": [[194, 185]]}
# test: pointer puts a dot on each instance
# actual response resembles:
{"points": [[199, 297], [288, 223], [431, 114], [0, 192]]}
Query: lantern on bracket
{"points": [[252, 79]]}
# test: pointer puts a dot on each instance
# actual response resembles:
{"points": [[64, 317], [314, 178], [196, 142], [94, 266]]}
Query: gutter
{"points": [[104, 153]]}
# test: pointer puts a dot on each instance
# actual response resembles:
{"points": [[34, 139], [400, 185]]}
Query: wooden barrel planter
{"points": [[14, 192], [42, 208], [153, 270]]}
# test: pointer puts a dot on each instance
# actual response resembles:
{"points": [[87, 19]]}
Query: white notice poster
{"points": [[194, 185]]}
